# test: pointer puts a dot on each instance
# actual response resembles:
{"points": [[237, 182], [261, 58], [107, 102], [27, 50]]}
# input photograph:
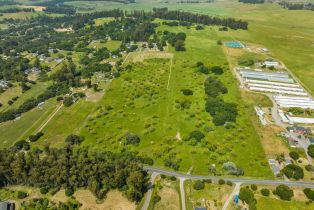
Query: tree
{"points": [[293, 171], [294, 155], [179, 45], [284, 192], [310, 150], [68, 101], [73, 139], [131, 138], [253, 187], [217, 70], [246, 195], [221, 181], [198, 185], [187, 92], [309, 193], [265, 192], [197, 135], [21, 194]]}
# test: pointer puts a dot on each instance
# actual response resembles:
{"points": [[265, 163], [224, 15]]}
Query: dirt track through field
{"points": [[171, 62], [49, 119]]}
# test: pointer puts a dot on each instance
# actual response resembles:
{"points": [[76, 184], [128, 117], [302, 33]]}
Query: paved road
{"points": [[150, 191], [234, 180], [182, 193], [235, 191]]}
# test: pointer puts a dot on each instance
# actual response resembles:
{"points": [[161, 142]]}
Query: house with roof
{"points": [[271, 63]]}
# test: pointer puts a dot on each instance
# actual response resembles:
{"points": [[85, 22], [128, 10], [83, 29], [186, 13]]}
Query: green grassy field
{"points": [[265, 203], [142, 102]]}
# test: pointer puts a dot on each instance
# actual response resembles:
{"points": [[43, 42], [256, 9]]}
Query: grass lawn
{"points": [[141, 101], [213, 196], [13, 131], [265, 203], [102, 21]]}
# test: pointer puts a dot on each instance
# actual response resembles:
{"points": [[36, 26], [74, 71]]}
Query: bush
{"points": [[265, 192], [68, 101], [309, 168], [294, 155], [73, 139], [131, 138], [207, 181], [35, 137], [253, 187], [69, 191], [310, 150], [293, 171], [246, 195], [197, 135], [309, 193], [229, 183], [44, 190], [187, 92], [221, 181], [156, 199], [198, 185], [217, 70], [21, 195], [283, 192], [173, 178]]}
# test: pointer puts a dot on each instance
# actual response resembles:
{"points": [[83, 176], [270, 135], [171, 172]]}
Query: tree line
{"points": [[73, 167], [297, 6]]}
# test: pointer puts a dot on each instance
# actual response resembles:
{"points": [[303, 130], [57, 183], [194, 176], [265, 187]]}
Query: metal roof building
{"points": [[270, 90], [272, 83]]}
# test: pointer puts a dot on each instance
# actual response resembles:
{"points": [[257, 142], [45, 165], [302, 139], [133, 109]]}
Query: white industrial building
{"points": [[292, 120], [271, 90], [271, 83], [293, 101], [271, 64], [275, 87]]}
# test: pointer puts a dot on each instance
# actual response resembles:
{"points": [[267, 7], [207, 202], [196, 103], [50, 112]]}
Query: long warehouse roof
{"points": [[273, 74], [275, 87], [275, 79], [280, 97], [272, 83], [278, 91]]}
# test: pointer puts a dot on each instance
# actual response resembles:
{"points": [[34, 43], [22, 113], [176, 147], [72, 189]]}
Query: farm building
{"points": [[271, 90], [7, 206], [268, 76], [272, 83], [298, 129], [293, 101], [261, 115], [289, 119], [275, 87]]}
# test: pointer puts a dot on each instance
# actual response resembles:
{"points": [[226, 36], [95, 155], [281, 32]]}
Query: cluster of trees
{"points": [[293, 171], [70, 168], [297, 6], [310, 150], [252, 1], [176, 40], [222, 112], [247, 195], [177, 23], [13, 67], [232, 23], [206, 70], [60, 9], [283, 192]]}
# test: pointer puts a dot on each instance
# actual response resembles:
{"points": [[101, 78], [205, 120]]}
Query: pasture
{"points": [[147, 101]]}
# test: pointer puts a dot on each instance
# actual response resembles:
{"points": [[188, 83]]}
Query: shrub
{"points": [[73, 139], [197, 135], [253, 187], [283, 192], [310, 150], [221, 181], [69, 191], [21, 195], [131, 138], [44, 190], [246, 195], [35, 137], [309, 193], [156, 199], [309, 168], [207, 181], [294, 155], [198, 185], [293, 171], [187, 92], [68, 101], [265, 192], [229, 183], [217, 70]]}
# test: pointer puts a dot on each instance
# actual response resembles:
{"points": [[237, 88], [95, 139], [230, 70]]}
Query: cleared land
{"points": [[212, 196]]}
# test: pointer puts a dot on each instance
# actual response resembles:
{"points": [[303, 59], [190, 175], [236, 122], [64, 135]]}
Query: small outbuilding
{"points": [[7, 206]]}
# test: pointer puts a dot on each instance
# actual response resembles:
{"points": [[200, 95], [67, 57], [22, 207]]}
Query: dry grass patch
{"points": [[114, 201], [63, 29], [169, 199], [141, 56], [59, 197], [36, 8]]}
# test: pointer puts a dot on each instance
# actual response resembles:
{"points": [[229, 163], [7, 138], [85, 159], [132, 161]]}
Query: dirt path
{"points": [[235, 191], [182, 193], [149, 192], [49, 119]]}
